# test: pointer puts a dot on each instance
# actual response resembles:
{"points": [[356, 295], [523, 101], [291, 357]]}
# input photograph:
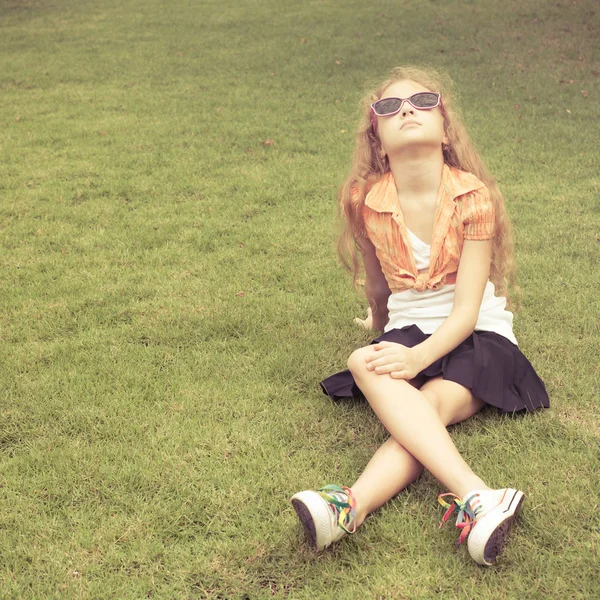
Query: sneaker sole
{"points": [[307, 522], [312, 511], [488, 539]]}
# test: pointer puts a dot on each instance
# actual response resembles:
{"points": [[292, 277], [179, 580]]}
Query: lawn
{"points": [[170, 295]]}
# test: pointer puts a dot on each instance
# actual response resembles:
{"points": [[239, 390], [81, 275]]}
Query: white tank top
{"points": [[428, 309]]}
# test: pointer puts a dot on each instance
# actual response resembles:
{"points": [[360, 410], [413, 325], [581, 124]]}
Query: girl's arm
{"points": [[471, 279], [472, 276], [376, 287]]}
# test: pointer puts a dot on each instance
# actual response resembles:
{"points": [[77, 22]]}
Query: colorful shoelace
{"points": [[467, 510], [343, 503]]}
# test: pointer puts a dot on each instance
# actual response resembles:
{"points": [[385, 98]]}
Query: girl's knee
{"points": [[356, 361]]}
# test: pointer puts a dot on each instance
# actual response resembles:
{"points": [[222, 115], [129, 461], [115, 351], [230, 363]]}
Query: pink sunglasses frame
{"points": [[402, 101]]}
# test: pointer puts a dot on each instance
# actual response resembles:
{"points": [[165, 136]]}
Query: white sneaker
{"points": [[486, 518], [326, 515]]}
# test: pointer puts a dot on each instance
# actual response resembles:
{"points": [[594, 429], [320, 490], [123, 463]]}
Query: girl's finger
{"points": [[382, 345], [382, 359], [398, 375], [363, 323], [388, 368], [380, 353]]}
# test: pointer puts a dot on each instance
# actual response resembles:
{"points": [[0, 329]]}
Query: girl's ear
{"points": [[445, 141]]}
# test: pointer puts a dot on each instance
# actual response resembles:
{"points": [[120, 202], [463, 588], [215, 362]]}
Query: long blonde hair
{"points": [[370, 164]]}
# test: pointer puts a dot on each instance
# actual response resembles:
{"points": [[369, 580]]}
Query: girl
{"points": [[431, 228]]}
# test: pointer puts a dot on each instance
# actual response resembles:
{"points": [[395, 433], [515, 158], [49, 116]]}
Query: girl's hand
{"points": [[399, 361], [366, 323]]}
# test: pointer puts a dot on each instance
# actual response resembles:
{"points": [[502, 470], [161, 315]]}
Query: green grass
{"points": [[170, 295]]}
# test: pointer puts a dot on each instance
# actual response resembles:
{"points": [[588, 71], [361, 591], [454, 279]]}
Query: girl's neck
{"points": [[417, 176]]}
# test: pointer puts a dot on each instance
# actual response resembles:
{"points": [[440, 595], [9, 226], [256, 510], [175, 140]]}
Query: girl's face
{"points": [[410, 129]]}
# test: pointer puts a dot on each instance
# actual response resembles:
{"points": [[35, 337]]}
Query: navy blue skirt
{"points": [[487, 363]]}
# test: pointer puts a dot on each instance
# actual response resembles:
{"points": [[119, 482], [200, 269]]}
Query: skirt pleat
{"points": [[489, 364]]}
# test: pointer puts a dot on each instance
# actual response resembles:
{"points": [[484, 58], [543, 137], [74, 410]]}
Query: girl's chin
{"points": [[415, 145]]}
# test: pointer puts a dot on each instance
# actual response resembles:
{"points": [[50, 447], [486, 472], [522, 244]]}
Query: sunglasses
{"points": [[390, 106]]}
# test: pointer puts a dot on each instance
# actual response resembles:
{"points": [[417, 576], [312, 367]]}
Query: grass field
{"points": [[170, 295]]}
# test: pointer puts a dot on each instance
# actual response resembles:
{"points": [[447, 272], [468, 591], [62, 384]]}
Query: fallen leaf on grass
{"points": [[585, 93], [103, 133], [240, 294], [18, 119], [269, 143], [338, 62], [569, 81], [219, 109], [303, 40], [180, 54], [568, 110]]}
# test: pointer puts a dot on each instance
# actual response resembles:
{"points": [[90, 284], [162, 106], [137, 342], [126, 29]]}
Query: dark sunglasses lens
{"points": [[424, 100], [387, 106]]}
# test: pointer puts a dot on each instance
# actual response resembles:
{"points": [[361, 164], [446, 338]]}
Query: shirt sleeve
{"points": [[479, 215]]}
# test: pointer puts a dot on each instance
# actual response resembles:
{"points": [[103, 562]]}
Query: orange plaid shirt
{"points": [[464, 211]]}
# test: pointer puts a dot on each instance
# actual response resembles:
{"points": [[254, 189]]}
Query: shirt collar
{"points": [[383, 196]]}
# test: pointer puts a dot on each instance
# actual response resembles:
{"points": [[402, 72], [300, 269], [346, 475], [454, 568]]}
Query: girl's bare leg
{"points": [[392, 467], [416, 420], [390, 470]]}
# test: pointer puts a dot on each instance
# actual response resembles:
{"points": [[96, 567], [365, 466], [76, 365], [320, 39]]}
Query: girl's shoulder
{"points": [[462, 182], [359, 190]]}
